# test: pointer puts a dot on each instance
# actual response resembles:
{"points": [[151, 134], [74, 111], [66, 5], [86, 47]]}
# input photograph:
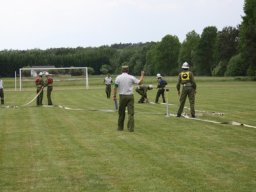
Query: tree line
{"points": [[229, 52]]}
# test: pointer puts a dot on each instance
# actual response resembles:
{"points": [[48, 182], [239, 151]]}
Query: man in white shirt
{"points": [[2, 91], [108, 81], [124, 84]]}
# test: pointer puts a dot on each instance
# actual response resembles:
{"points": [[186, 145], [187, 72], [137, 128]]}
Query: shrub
{"points": [[235, 66]]}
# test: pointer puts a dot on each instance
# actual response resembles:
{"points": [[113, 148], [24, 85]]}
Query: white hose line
{"points": [[207, 112], [33, 98], [250, 126], [218, 122]]}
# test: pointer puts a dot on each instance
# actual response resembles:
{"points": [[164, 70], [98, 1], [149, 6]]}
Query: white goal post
{"points": [[54, 68]]}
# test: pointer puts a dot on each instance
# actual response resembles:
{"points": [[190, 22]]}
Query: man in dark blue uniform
{"points": [[161, 88]]}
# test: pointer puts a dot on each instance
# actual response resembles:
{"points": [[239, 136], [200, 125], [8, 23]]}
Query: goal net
{"points": [[64, 76]]}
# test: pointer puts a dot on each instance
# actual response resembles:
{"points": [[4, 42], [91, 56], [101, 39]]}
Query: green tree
{"points": [[90, 70], [227, 43], [167, 55], [151, 60], [235, 66], [248, 37], [138, 59], [226, 47], [220, 69], [105, 69], [205, 52], [188, 48]]}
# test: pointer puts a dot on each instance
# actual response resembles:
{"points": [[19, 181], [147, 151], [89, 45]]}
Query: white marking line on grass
{"points": [[10, 106], [107, 110], [77, 109], [151, 102], [167, 104], [103, 110], [68, 108]]}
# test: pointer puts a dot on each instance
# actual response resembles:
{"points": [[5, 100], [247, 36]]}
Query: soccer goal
{"points": [[64, 76]]}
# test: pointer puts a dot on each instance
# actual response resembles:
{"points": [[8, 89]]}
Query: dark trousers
{"points": [[190, 93], [143, 94], [126, 101], [2, 96], [49, 93], [108, 90], [160, 92], [39, 99]]}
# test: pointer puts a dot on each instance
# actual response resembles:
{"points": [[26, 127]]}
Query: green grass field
{"points": [[76, 147]]}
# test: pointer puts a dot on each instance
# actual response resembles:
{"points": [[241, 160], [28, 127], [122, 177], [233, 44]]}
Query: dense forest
{"points": [[229, 52]]}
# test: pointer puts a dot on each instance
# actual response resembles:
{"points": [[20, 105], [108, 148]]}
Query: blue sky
{"points": [[43, 24]]}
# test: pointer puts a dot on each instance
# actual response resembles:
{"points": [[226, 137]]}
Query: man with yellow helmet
{"points": [[186, 80]]}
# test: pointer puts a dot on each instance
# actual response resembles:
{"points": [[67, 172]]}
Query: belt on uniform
{"points": [[125, 95], [187, 85]]}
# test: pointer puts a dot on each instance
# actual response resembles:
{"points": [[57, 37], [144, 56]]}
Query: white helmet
{"points": [[47, 74], [150, 86], [185, 65], [158, 75]]}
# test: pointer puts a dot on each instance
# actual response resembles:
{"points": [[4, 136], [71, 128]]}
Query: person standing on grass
{"points": [[124, 83], [49, 84], [2, 91], [108, 81], [39, 88], [161, 88], [187, 81]]}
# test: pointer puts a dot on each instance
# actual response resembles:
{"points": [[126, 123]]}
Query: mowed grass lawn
{"points": [[76, 147]]}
